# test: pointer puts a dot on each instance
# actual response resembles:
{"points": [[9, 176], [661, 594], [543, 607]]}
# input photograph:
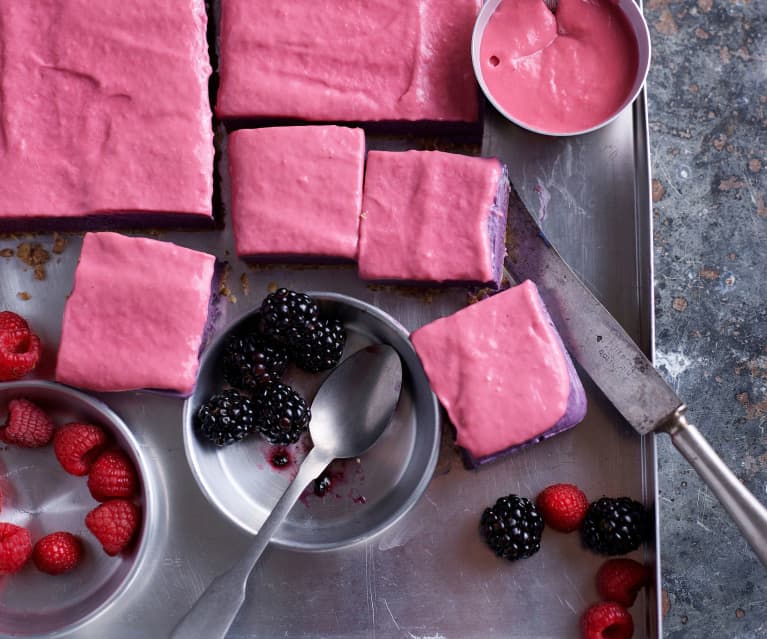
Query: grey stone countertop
{"points": [[707, 94]]}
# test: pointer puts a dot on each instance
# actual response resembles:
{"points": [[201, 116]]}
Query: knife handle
{"points": [[745, 509]]}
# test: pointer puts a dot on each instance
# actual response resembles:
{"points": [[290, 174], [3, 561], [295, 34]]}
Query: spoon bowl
{"points": [[353, 406]]}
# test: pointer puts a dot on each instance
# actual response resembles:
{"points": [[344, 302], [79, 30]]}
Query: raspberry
{"points": [[28, 426], [57, 553], [77, 445], [607, 620], [620, 580], [14, 331], [563, 506], [15, 548], [114, 524], [112, 475], [19, 347]]}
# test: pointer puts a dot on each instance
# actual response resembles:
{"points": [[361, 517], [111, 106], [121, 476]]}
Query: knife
{"points": [[620, 369]]}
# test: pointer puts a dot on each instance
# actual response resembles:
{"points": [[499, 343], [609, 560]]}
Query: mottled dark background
{"points": [[708, 121]]}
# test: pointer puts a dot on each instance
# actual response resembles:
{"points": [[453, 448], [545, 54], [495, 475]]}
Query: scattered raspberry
{"points": [[57, 553], [607, 620], [114, 523], [15, 548], [77, 445], [19, 347], [112, 475], [563, 506], [620, 580], [14, 331], [28, 426]]}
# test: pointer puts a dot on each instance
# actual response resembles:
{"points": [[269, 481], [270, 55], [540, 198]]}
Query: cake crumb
{"points": [[59, 243], [34, 255], [24, 296], [6, 252], [271, 287], [245, 284], [223, 285]]}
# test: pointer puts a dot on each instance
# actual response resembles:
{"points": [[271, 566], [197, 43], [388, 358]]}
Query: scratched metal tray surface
{"points": [[428, 576]]}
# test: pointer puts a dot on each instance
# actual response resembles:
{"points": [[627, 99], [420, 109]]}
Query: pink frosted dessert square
{"points": [[323, 60], [105, 117], [502, 373], [136, 315], [297, 192], [429, 216]]}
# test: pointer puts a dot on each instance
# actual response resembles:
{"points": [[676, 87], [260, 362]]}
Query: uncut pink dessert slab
{"points": [[104, 114]]}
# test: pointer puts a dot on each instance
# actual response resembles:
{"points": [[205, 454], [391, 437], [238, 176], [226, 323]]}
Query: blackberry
{"points": [[226, 418], [251, 360], [281, 413], [320, 348], [287, 315], [512, 527], [615, 526]]}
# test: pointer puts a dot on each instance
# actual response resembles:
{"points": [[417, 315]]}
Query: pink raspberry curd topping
{"points": [[560, 72], [498, 368], [104, 108], [348, 61], [136, 315], [297, 191], [426, 216]]}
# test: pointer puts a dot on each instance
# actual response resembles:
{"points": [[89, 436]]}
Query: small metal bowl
{"points": [[636, 20], [39, 495], [367, 494]]}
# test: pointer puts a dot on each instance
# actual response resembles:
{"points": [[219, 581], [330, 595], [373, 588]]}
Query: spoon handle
{"points": [[213, 613]]}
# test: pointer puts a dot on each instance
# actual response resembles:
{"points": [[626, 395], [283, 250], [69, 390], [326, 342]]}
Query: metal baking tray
{"points": [[428, 576]]}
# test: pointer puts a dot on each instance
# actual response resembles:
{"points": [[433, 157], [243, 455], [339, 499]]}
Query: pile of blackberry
{"points": [[286, 328]]}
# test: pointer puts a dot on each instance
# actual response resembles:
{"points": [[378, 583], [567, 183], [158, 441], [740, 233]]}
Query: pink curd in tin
{"points": [[563, 72]]}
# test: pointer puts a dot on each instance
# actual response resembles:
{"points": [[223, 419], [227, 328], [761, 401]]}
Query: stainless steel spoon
{"points": [[351, 410]]}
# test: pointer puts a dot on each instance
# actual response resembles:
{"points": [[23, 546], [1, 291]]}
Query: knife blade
{"points": [[620, 369], [593, 337]]}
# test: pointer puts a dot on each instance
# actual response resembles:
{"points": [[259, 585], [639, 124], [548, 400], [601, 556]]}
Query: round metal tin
{"points": [[366, 494], [40, 496], [636, 19]]}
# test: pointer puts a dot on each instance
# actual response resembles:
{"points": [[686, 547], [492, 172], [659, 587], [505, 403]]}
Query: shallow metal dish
{"points": [[39, 495], [636, 20], [367, 494]]}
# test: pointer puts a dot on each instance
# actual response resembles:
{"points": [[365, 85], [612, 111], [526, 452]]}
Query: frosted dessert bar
{"points": [[297, 192], [429, 216], [136, 315], [323, 60], [104, 114], [502, 373]]}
